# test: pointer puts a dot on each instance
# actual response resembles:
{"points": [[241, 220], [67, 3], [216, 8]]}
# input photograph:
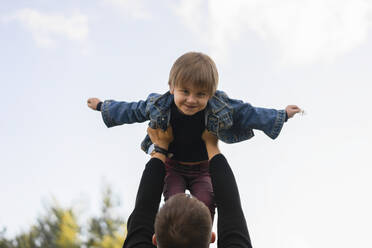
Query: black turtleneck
{"points": [[187, 145]]}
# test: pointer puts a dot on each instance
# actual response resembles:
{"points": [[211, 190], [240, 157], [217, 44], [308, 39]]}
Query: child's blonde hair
{"points": [[197, 69]]}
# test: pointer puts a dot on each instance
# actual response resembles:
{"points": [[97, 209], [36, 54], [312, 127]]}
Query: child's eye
{"points": [[202, 94], [185, 91]]}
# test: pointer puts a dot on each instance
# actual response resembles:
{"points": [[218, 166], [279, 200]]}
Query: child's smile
{"points": [[189, 99]]}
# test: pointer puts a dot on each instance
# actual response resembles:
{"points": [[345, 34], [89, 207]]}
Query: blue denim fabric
{"points": [[231, 120]]}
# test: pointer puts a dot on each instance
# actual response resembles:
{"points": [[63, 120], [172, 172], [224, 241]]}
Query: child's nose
{"points": [[192, 99]]}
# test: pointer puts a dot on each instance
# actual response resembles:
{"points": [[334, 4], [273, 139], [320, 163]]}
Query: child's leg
{"points": [[174, 182], [201, 187]]}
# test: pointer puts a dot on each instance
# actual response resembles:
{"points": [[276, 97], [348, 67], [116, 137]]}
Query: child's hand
{"points": [[92, 103], [160, 137], [292, 110]]}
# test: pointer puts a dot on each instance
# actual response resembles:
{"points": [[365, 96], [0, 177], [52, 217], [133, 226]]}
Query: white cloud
{"points": [[47, 28], [303, 30], [133, 8]]}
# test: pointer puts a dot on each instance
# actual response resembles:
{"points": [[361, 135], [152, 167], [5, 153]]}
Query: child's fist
{"points": [[292, 110], [93, 102]]}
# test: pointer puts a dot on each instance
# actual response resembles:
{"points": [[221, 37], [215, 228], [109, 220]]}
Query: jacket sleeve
{"points": [[270, 121], [231, 224], [116, 113], [140, 224]]}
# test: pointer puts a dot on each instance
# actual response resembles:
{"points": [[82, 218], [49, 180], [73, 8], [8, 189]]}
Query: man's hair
{"points": [[183, 222], [197, 69]]}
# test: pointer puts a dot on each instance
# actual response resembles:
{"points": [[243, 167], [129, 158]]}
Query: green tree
{"points": [[59, 228], [106, 230]]}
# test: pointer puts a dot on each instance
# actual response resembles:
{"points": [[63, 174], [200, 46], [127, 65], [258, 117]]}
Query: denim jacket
{"points": [[229, 119]]}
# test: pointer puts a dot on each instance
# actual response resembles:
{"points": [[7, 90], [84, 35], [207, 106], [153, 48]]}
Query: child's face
{"points": [[189, 99]]}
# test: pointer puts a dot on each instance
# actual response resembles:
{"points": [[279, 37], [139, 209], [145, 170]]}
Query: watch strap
{"points": [[161, 150]]}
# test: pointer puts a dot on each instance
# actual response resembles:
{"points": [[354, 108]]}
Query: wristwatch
{"points": [[154, 148]]}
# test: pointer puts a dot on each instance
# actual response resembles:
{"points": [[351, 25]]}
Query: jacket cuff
{"points": [[99, 106], [106, 114], [278, 124]]}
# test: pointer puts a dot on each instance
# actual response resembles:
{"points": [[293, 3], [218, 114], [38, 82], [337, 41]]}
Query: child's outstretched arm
{"points": [[270, 121], [116, 113]]}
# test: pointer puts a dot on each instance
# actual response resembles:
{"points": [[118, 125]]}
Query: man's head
{"points": [[193, 79], [183, 222]]}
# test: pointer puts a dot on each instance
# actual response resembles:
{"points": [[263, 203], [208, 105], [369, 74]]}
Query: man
{"points": [[183, 221]]}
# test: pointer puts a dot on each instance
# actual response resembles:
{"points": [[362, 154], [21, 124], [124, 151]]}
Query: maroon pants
{"points": [[195, 178]]}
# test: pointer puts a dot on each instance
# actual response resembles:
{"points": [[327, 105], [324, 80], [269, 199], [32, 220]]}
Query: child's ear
{"points": [[171, 89]]}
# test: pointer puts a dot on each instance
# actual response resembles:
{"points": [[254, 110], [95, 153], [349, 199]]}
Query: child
{"points": [[192, 105]]}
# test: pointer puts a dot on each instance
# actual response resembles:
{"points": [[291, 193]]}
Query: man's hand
{"points": [[160, 137], [92, 103], [292, 110], [211, 143]]}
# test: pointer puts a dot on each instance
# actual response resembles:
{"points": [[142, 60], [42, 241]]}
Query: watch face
{"points": [[151, 149]]}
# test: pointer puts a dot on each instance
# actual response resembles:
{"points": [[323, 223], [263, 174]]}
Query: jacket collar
{"points": [[216, 104], [164, 102]]}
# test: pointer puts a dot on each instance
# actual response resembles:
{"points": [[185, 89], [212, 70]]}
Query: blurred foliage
{"points": [[59, 227]]}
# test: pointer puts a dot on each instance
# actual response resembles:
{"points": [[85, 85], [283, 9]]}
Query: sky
{"points": [[310, 187]]}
